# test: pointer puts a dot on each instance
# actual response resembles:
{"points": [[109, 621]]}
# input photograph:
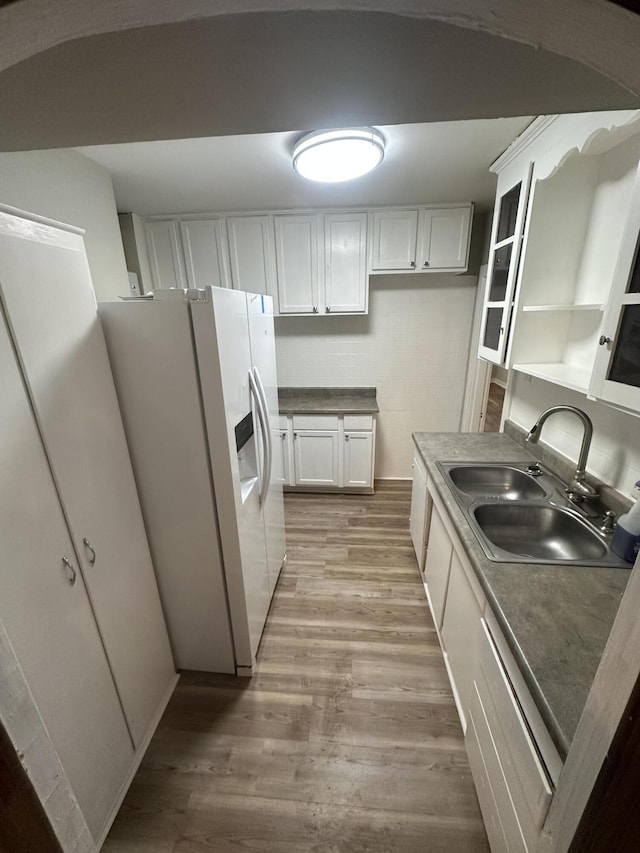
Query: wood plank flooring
{"points": [[347, 738]]}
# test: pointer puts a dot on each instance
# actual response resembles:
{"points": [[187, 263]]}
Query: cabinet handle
{"points": [[425, 264], [283, 435], [69, 570], [327, 309], [295, 435], [315, 309], [412, 263], [346, 436], [92, 551], [604, 340]]}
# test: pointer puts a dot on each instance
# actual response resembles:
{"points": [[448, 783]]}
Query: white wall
{"points": [[412, 346], [67, 186], [615, 449]]}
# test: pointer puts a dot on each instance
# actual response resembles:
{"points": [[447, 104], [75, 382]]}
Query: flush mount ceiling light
{"points": [[332, 156]]}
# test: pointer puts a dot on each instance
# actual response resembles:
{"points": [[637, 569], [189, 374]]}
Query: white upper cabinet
{"points": [[395, 240], [444, 234], [251, 254], [165, 255], [205, 246], [297, 263], [504, 253], [616, 375], [345, 256], [425, 239]]}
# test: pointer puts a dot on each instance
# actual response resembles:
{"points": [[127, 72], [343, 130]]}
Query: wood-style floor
{"points": [[347, 739]]}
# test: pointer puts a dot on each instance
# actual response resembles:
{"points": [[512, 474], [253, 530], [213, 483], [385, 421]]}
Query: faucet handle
{"points": [[608, 522]]}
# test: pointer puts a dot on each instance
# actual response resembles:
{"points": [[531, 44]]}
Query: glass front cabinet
{"points": [[616, 375], [504, 254]]}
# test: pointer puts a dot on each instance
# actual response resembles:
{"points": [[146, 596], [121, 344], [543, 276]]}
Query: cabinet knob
{"points": [[315, 309], [604, 340], [346, 436], [425, 264], [295, 435], [327, 309], [283, 435], [412, 263], [69, 570]]}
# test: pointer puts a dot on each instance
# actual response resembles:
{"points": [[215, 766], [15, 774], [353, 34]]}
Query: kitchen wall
{"points": [[615, 449], [412, 346], [67, 186]]}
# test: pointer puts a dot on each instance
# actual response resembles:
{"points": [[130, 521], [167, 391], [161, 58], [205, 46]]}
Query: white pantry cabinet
{"points": [[51, 316], [422, 239]]}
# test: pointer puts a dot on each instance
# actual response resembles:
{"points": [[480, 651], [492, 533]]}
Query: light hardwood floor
{"points": [[347, 739]]}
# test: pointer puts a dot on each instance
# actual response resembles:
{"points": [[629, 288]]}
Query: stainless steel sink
{"points": [[502, 481], [539, 532], [524, 516]]}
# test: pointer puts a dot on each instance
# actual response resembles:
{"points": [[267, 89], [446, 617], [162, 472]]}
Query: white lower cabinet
{"points": [[419, 516], [326, 452], [513, 760], [316, 456], [80, 602]]}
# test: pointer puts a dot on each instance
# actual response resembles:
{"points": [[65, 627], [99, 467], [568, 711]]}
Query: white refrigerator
{"points": [[195, 373]]}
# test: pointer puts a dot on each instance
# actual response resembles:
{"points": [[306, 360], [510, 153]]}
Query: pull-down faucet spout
{"points": [[578, 490]]}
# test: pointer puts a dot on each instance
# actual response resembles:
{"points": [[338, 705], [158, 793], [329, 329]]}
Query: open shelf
{"points": [[560, 373], [587, 306]]}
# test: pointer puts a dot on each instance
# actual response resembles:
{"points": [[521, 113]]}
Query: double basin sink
{"points": [[520, 514]]}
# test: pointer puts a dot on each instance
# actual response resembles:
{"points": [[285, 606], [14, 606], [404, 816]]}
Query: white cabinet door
{"points": [[48, 620], [205, 252], [316, 457], [297, 263], [345, 256], [436, 570], [444, 236], [62, 352], [395, 234], [418, 515], [358, 459], [250, 251], [165, 255], [461, 634]]}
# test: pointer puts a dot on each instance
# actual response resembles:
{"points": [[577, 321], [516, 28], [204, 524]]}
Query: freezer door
{"points": [[263, 358], [221, 331]]}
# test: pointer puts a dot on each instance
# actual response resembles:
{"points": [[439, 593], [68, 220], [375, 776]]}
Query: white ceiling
{"points": [[437, 162]]}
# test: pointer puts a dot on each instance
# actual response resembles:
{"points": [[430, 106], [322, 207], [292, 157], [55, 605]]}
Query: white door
{"points": [[49, 620], [445, 236], [297, 264], [250, 253], [205, 252], [345, 251], [417, 517], [165, 255], [263, 359], [358, 459], [395, 234], [316, 457], [46, 288]]}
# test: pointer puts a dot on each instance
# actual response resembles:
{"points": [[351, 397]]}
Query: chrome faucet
{"points": [[578, 489]]}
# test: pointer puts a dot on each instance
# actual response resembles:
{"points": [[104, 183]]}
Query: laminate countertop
{"points": [[556, 618], [327, 401]]}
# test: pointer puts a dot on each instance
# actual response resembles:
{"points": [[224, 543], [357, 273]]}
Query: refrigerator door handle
{"points": [[264, 425], [268, 434]]}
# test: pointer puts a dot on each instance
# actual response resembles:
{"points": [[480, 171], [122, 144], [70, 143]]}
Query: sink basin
{"points": [[501, 481], [539, 532]]}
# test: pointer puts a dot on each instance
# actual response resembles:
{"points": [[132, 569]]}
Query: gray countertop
{"points": [[556, 618], [329, 401]]}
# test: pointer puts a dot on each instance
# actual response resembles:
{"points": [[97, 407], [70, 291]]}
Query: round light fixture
{"points": [[332, 156]]}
